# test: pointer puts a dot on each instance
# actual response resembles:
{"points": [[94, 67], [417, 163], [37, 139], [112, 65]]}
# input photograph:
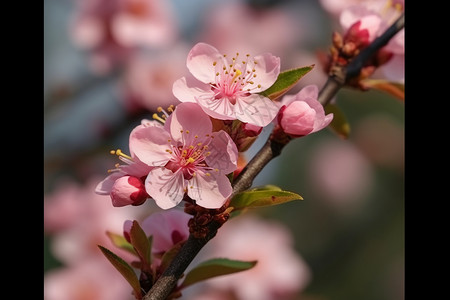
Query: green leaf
{"points": [[120, 242], [124, 268], [392, 88], [285, 81], [141, 243], [339, 124], [215, 267], [262, 196]]}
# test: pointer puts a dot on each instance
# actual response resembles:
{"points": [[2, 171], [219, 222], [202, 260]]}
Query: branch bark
{"points": [[167, 282]]}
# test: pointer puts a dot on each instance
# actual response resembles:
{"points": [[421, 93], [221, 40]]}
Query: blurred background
{"points": [[108, 65]]}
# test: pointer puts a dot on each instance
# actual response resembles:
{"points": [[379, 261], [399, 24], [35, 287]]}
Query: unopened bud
{"points": [[128, 190]]}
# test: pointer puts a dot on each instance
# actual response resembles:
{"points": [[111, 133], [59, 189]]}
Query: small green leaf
{"points": [[339, 124], [124, 268], [215, 267], [395, 89], [141, 243], [267, 187], [285, 81], [120, 242], [258, 197]]}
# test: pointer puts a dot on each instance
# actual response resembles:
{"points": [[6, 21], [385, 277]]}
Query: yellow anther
{"points": [[259, 86], [208, 153], [224, 55], [169, 140], [191, 186], [217, 74], [214, 63], [199, 144], [187, 131], [238, 72], [171, 108], [217, 170], [196, 136], [158, 118], [120, 153], [208, 174], [190, 160], [247, 55]]}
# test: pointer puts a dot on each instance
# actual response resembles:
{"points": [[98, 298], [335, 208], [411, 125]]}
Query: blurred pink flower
{"points": [[90, 218], [167, 228], [111, 29], [236, 26], [340, 173], [382, 140], [301, 114], [280, 272], [148, 79], [227, 89], [91, 279], [186, 157]]}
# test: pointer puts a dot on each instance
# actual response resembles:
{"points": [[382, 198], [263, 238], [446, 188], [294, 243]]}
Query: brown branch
{"points": [[168, 281]]}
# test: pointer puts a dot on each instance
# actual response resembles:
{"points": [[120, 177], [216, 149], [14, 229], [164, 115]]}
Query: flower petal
{"points": [[256, 109], [189, 120], [149, 144], [200, 62], [105, 186], [221, 109], [267, 70], [184, 93], [209, 191], [165, 187], [224, 153]]}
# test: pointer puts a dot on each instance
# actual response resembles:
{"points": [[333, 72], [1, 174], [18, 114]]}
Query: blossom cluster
{"points": [[191, 149]]}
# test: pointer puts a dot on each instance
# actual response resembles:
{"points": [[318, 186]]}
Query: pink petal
{"points": [[165, 187], [221, 109], [105, 186], [149, 144], [309, 91], [200, 62], [256, 109], [189, 120], [209, 191], [184, 93], [267, 70], [160, 225], [224, 153]]}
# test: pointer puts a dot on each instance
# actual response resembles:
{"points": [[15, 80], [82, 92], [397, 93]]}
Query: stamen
{"points": [[119, 152], [158, 118], [238, 72]]}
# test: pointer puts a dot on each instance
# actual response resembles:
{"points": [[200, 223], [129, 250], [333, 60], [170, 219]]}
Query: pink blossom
{"points": [[90, 279], [227, 88], [376, 17], [301, 114], [341, 174], [186, 157], [279, 273], [148, 79], [110, 30], [127, 191], [167, 229], [92, 217], [238, 25]]}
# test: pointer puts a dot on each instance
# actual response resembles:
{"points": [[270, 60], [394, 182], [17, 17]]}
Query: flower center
{"points": [[189, 158], [234, 78]]}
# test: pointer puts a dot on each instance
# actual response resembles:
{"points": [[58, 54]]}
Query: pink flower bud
{"points": [[251, 130], [128, 190], [302, 114]]}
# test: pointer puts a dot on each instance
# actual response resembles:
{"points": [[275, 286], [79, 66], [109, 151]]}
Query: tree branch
{"points": [[167, 282]]}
